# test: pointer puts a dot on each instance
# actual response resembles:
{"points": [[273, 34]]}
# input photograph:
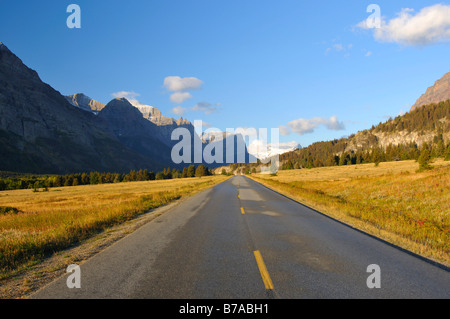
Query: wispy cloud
{"points": [[178, 110], [306, 126], [340, 48], [205, 107], [428, 26]]}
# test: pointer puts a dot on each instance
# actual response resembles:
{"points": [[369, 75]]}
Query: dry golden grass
{"points": [[57, 219], [393, 201]]}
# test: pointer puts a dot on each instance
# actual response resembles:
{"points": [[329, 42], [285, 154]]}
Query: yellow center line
{"points": [[263, 270], [242, 210]]}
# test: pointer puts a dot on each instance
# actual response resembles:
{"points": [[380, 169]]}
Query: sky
{"points": [[317, 70]]}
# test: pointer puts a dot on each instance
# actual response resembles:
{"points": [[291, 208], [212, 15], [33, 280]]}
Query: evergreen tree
{"points": [[85, 179], [93, 178], [447, 153], [190, 171], [167, 173], [424, 159], [176, 173], [200, 171]]}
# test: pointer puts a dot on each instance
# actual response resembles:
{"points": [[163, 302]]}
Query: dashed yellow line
{"points": [[263, 270], [242, 210]]}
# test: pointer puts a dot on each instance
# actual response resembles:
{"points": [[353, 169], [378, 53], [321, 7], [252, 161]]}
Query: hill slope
{"points": [[397, 139], [440, 91]]}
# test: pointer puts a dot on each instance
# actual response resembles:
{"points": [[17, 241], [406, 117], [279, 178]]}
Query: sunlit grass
{"points": [[392, 201], [51, 221]]}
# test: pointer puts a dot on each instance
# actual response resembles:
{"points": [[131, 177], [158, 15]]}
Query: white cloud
{"points": [[180, 97], [333, 124], [369, 53], [430, 25], [305, 126], [176, 83], [178, 110]]}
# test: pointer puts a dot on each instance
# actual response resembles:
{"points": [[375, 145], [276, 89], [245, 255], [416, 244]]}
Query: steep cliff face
{"points": [[30, 108], [440, 91]]}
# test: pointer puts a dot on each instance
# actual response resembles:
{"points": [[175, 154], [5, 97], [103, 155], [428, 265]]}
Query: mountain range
{"points": [[42, 131]]}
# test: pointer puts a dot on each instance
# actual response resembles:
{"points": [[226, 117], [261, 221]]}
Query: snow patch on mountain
{"points": [[262, 150]]}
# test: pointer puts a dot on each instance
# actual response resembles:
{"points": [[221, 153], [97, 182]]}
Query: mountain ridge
{"points": [[41, 132], [44, 132], [439, 92], [85, 103]]}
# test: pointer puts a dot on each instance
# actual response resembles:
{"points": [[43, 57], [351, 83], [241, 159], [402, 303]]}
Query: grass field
{"points": [[392, 201], [42, 223]]}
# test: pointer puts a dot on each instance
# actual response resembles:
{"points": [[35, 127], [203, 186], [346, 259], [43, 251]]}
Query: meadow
{"points": [[34, 225], [393, 201]]}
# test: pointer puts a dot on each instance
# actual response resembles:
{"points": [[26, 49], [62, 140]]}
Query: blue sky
{"points": [[303, 65]]}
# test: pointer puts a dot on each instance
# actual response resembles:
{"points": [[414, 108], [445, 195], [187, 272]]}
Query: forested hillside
{"points": [[402, 138]]}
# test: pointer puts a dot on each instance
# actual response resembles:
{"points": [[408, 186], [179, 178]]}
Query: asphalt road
{"points": [[240, 240]]}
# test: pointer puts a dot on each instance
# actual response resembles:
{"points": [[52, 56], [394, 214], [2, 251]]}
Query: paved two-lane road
{"points": [[242, 240]]}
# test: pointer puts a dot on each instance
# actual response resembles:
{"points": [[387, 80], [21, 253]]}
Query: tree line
{"points": [[428, 118], [402, 152], [425, 118], [92, 178]]}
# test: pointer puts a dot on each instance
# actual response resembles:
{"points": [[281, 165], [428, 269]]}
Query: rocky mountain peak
{"points": [[155, 116], [13, 64], [439, 92], [3, 47], [85, 102], [121, 105], [121, 110]]}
